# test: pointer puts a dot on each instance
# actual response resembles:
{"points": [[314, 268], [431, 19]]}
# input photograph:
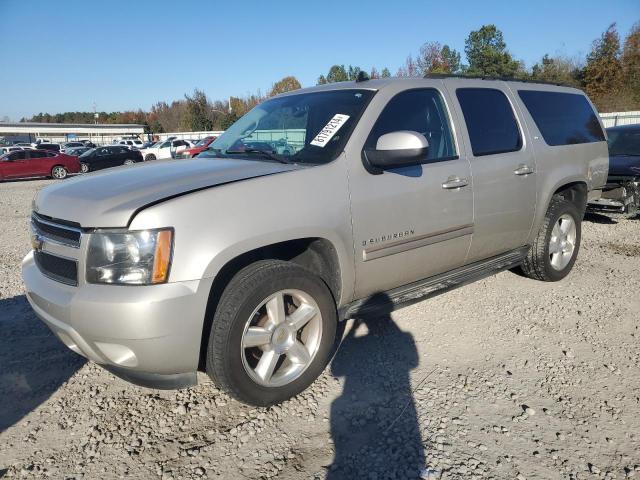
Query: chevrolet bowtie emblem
{"points": [[36, 241]]}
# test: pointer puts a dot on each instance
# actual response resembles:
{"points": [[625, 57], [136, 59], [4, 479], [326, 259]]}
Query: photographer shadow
{"points": [[374, 424], [33, 362]]}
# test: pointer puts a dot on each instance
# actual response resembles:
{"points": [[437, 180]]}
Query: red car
{"points": [[201, 146], [37, 163]]}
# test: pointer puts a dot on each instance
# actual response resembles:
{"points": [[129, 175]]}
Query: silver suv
{"points": [[242, 261]]}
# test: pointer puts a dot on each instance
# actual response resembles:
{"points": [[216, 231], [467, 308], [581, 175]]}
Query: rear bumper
{"points": [[149, 335]]}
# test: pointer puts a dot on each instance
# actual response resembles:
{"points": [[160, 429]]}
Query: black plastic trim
{"points": [[154, 380], [431, 286]]}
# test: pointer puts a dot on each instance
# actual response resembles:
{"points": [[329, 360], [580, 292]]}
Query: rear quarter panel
{"points": [[557, 166]]}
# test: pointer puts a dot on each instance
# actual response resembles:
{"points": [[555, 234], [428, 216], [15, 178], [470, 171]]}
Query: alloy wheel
{"points": [[562, 243], [58, 172], [281, 338]]}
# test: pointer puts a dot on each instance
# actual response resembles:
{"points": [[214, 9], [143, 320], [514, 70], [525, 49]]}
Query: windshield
{"points": [[302, 128], [624, 142], [88, 152]]}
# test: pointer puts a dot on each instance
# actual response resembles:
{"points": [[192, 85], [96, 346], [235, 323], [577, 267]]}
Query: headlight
{"points": [[130, 258]]}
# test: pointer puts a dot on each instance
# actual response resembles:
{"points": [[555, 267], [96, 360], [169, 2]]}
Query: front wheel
{"points": [[59, 172], [149, 157], [84, 168], [556, 247], [128, 161], [272, 333]]}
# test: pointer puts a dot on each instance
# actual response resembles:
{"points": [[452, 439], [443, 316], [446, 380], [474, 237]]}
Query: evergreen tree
{"points": [[487, 53]]}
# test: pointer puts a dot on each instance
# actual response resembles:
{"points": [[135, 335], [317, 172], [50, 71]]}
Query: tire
{"points": [[84, 168], [549, 259], [59, 172], [128, 161], [149, 157], [239, 370]]}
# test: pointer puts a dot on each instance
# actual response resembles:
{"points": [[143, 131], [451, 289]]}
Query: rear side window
{"points": [[490, 121], [421, 111], [562, 118]]}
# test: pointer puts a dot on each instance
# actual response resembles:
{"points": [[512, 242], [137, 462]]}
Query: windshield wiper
{"points": [[269, 155]]}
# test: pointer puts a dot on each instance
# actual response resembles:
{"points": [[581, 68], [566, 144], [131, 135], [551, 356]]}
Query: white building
{"points": [[64, 132]]}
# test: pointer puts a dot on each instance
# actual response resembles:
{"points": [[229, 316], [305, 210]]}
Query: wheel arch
{"points": [[316, 254], [574, 191]]}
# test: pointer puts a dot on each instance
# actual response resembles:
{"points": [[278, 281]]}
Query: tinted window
{"points": [[37, 154], [490, 121], [562, 118], [21, 155], [421, 111], [624, 142]]}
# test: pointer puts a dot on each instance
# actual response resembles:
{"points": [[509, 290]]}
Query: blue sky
{"points": [[64, 55]]}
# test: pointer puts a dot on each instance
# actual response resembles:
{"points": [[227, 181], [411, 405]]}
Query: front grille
{"points": [[57, 232], [60, 269]]}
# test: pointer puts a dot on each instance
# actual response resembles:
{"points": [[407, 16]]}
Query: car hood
{"points": [[111, 198], [624, 165]]}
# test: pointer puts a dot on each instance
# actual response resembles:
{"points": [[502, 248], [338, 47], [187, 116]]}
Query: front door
{"points": [[502, 164], [414, 222], [16, 165]]}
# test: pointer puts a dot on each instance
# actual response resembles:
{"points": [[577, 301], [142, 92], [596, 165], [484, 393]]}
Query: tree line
{"points": [[609, 74]]}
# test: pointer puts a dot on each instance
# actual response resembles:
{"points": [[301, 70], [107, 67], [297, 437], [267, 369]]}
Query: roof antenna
{"points": [[362, 76]]}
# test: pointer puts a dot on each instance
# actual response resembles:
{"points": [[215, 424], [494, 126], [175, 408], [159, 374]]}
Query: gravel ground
{"points": [[506, 378]]}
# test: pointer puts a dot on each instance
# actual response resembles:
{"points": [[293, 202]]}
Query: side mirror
{"points": [[398, 149]]}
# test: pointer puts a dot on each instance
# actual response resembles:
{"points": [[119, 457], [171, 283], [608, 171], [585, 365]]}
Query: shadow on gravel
{"points": [[33, 362], [374, 424], [599, 218]]}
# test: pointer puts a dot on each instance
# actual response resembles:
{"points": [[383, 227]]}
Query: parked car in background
{"points": [[622, 191], [165, 150], [147, 145], [77, 151], [54, 147], [23, 145], [39, 141], [131, 143], [109, 156], [88, 143], [10, 148], [197, 148], [68, 145], [37, 163]]}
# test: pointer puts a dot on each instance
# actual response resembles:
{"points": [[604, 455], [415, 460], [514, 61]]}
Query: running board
{"points": [[385, 302]]}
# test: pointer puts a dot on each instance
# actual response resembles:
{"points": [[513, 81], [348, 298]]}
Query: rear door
{"points": [[502, 164], [38, 161]]}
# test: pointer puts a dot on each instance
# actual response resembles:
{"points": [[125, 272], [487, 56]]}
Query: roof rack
{"points": [[504, 79]]}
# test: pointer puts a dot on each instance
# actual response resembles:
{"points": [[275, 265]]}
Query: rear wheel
{"points": [[128, 161], [59, 172], [84, 168], [272, 332], [556, 247]]}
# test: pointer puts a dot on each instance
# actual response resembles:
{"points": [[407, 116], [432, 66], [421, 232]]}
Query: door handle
{"points": [[523, 170], [455, 183]]}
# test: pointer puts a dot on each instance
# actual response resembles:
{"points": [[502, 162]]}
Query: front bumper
{"points": [[148, 335]]}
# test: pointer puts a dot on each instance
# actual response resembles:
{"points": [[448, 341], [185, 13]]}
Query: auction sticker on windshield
{"points": [[329, 130]]}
